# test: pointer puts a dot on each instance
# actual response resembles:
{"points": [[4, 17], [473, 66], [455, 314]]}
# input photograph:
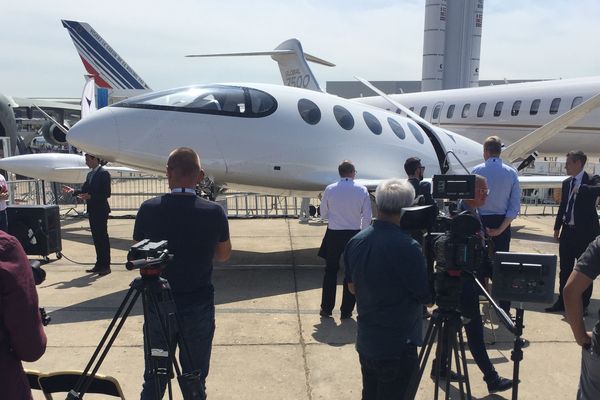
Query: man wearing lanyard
{"points": [[502, 206], [347, 207], [576, 222], [197, 232], [96, 191]]}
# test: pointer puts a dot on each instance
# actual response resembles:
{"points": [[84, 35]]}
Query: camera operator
{"points": [[385, 269], [22, 336], [469, 302], [585, 271], [197, 232]]}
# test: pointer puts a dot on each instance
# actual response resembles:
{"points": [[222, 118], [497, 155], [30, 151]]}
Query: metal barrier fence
{"points": [[127, 194]]}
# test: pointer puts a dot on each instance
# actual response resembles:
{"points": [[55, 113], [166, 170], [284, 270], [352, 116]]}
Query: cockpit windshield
{"points": [[215, 99]]}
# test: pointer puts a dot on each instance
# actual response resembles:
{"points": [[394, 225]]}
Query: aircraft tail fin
{"points": [[292, 62], [88, 97], [109, 70]]}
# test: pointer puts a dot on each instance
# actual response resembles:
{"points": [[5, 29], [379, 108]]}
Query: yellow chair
{"points": [[34, 383], [64, 381]]}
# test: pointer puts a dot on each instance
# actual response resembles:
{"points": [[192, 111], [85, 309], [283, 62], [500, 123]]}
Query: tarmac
{"points": [[270, 342]]}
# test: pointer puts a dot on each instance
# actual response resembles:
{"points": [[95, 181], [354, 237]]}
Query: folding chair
{"points": [[64, 381], [34, 383]]}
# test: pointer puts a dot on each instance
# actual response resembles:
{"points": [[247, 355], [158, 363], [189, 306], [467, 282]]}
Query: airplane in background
{"points": [[281, 140], [510, 111], [57, 167], [102, 62]]}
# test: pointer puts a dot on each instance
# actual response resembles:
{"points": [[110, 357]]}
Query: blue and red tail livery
{"points": [[109, 70]]}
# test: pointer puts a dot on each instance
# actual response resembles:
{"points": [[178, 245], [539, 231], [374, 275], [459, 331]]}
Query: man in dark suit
{"points": [[576, 223], [414, 170], [96, 191]]}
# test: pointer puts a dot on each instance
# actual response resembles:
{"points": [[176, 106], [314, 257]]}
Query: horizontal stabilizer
{"points": [[291, 60]]}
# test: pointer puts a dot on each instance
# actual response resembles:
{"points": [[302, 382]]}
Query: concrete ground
{"points": [[270, 342]]}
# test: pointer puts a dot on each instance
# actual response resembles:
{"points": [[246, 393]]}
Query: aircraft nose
{"points": [[97, 134]]}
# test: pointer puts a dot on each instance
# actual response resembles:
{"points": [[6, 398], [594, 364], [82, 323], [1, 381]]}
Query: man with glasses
{"points": [[469, 304], [502, 207], [576, 222], [414, 170]]}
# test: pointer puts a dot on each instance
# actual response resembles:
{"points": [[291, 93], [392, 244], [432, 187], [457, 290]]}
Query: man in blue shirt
{"points": [[502, 205], [385, 269]]}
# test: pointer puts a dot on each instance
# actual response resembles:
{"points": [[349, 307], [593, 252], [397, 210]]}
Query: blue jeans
{"points": [[198, 328], [388, 379]]}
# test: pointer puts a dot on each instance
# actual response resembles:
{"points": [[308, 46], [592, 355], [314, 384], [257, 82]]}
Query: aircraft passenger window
{"points": [[436, 111], [309, 111], [343, 117], [554, 105], [535, 106], [576, 101], [416, 132], [372, 122], [481, 110], [397, 128], [423, 111], [498, 108], [450, 111], [515, 108], [465, 111]]}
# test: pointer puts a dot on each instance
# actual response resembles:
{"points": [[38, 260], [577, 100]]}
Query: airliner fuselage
{"points": [[510, 111]]}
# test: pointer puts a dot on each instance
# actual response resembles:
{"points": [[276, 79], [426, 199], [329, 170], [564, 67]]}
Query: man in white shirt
{"points": [[3, 203], [347, 207]]}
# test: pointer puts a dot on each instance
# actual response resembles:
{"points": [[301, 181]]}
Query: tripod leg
{"points": [[430, 336], [108, 338], [463, 355], [448, 335], [457, 361]]}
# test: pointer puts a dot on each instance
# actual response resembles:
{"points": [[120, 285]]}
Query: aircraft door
{"points": [[436, 112]]}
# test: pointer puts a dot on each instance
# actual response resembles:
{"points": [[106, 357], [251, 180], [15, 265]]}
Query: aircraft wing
{"points": [[526, 181], [541, 181], [51, 104], [370, 184]]}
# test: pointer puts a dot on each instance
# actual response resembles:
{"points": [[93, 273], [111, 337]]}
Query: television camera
{"points": [[457, 251], [149, 257]]}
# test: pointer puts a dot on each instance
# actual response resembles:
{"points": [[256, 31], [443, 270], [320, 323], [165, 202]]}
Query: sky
{"points": [[376, 39]]}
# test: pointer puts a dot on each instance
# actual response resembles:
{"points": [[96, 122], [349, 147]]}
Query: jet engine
{"points": [[53, 134]]}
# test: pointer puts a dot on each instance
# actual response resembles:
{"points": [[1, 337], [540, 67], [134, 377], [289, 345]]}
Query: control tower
{"points": [[451, 44]]}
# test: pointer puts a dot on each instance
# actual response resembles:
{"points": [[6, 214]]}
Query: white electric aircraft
{"points": [[510, 111], [277, 139]]}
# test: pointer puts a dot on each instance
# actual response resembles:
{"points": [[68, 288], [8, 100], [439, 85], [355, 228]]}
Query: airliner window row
{"points": [[311, 114], [216, 99], [498, 108]]}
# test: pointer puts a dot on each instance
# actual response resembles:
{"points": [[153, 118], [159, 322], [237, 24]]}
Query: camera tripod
{"points": [[446, 328], [156, 293]]}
